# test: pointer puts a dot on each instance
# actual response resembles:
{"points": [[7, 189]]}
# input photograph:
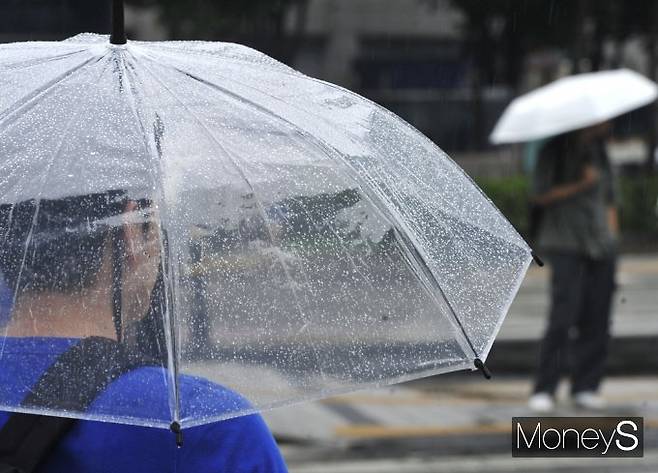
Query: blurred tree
{"points": [[22, 20], [513, 28], [500, 34], [256, 23]]}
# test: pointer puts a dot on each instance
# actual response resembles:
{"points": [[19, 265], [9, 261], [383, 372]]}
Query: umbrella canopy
{"points": [[571, 103], [309, 242]]}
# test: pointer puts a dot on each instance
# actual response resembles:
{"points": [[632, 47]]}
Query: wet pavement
{"points": [[461, 422], [488, 463], [449, 423]]}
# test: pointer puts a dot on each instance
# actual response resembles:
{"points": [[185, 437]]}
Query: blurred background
{"points": [[448, 67]]}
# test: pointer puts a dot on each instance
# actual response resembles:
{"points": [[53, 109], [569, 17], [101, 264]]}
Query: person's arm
{"points": [[565, 191], [613, 221], [611, 198]]}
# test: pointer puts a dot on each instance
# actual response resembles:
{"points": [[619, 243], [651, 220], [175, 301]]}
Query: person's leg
{"points": [[566, 291], [591, 346]]}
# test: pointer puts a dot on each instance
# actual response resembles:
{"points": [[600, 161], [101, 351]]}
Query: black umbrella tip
{"points": [[118, 32], [178, 431], [537, 259], [479, 364]]}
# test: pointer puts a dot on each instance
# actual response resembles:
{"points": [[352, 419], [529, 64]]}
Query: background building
{"points": [[36, 20]]}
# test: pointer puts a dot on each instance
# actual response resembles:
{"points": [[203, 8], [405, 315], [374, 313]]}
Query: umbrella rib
{"points": [[325, 147], [427, 141], [519, 241], [418, 260], [233, 160], [430, 143], [32, 100], [26, 63], [456, 364], [54, 156], [18, 106], [169, 292], [388, 113], [160, 48], [447, 217], [58, 80], [416, 256]]}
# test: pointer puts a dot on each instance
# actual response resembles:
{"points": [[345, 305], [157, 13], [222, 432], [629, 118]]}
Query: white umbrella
{"points": [[571, 103]]}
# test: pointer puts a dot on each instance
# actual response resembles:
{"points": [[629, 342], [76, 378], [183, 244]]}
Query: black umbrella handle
{"points": [[118, 34]]}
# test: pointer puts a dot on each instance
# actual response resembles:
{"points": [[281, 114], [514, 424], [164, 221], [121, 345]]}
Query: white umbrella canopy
{"points": [[571, 103], [323, 243]]}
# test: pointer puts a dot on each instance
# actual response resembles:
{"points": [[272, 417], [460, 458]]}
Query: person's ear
{"points": [[141, 239], [131, 233], [142, 260]]}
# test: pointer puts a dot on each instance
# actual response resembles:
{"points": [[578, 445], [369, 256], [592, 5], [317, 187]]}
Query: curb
{"points": [[637, 355]]}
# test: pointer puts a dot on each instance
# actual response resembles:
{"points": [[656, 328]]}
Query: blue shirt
{"points": [[5, 301], [242, 444]]}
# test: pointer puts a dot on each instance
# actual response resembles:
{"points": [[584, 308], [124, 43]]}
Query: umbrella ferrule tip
{"points": [[178, 431], [479, 364], [537, 259]]}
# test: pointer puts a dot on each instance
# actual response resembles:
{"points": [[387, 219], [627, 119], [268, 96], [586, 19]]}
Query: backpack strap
{"points": [[72, 383]]}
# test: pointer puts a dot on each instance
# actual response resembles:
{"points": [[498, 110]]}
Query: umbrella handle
{"points": [[118, 34]]}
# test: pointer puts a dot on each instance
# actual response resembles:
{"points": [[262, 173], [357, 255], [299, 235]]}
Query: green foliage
{"points": [[638, 197], [638, 200], [510, 195]]}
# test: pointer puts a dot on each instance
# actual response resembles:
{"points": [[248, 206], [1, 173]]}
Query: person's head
{"points": [[97, 244]]}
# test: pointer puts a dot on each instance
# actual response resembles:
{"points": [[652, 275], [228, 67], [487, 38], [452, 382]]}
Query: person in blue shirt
{"points": [[66, 290]]}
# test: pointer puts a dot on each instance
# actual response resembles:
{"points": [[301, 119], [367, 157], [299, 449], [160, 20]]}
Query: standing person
{"points": [[60, 258], [577, 231]]}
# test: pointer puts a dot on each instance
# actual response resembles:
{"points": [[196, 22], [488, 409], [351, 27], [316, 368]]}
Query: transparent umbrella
{"points": [[295, 239]]}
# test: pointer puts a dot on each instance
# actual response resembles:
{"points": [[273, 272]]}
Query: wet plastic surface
{"points": [[301, 240]]}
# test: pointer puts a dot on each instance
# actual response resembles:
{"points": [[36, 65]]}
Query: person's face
{"points": [[141, 263]]}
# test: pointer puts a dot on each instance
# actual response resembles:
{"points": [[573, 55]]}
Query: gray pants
{"points": [[579, 321]]}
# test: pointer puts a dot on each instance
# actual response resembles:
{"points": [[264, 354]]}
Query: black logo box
{"points": [[577, 437]]}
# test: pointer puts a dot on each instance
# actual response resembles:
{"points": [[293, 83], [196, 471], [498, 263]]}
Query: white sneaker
{"points": [[589, 400], [541, 403]]}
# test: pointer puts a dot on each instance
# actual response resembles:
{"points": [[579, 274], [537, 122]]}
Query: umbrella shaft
{"points": [[118, 35]]}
